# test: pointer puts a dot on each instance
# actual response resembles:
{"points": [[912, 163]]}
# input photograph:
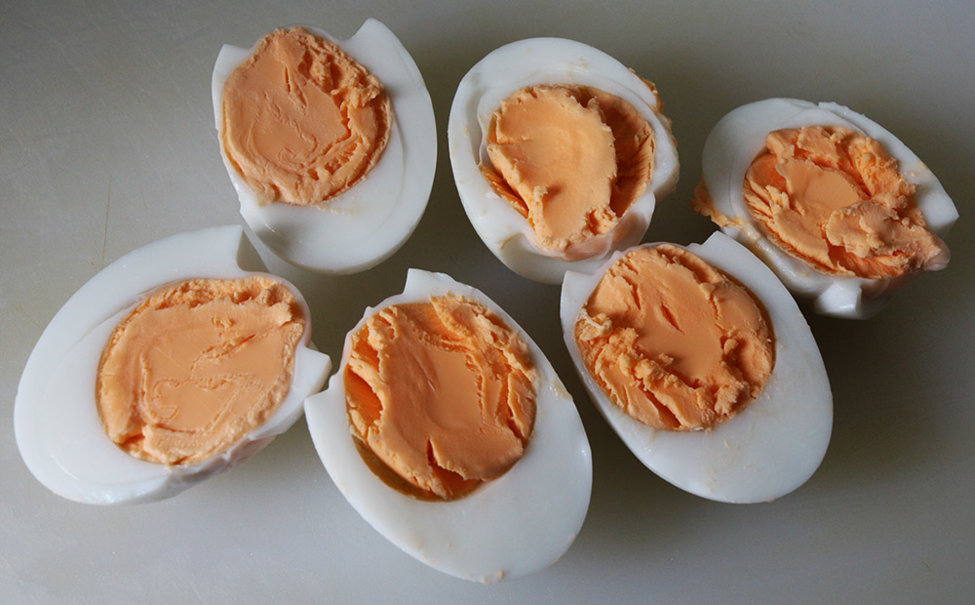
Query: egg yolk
{"points": [[440, 396], [837, 200], [674, 342], [197, 366], [302, 120], [570, 159]]}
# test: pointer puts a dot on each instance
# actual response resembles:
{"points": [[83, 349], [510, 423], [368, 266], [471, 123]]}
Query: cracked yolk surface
{"points": [[440, 395], [197, 366], [673, 341], [302, 120], [837, 200], [570, 159]]}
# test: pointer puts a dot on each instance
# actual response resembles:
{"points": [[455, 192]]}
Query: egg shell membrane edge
{"points": [[743, 459], [71, 454], [366, 224], [739, 137], [533, 61], [506, 527]]}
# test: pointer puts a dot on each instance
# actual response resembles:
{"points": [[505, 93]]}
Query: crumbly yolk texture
{"points": [[302, 120], [197, 366], [440, 396], [674, 342], [837, 200], [570, 159]]}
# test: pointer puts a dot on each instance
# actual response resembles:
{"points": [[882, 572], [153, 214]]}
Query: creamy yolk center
{"points": [[440, 395], [303, 121], [571, 159], [197, 366], [836, 199], [674, 342]]}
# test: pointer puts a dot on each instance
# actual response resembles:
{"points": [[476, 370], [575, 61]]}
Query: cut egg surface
{"points": [[739, 137], [548, 61], [365, 224], [767, 449], [59, 433], [515, 524]]}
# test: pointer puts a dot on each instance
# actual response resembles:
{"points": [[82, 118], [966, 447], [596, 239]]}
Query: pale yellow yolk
{"points": [[440, 394], [835, 199], [571, 159], [674, 342], [197, 366], [303, 121]]}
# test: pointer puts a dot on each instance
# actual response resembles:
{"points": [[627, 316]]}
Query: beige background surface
{"points": [[107, 143]]}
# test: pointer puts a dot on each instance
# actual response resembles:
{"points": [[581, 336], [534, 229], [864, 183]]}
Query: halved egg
{"points": [[362, 225], [57, 423], [769, 447], [513, 524], [741, 136], [508, 100]]}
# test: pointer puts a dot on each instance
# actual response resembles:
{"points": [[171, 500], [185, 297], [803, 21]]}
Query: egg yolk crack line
{"points": [[570, 159], [674, 342], [302, 120], [197, 366], [837, 200], [440, 396]]}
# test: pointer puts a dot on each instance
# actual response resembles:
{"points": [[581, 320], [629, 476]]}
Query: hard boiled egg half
{"points": [[564, 63], [772, 445], [739, 137], [59, 433], [511, 525], [365, 224]]}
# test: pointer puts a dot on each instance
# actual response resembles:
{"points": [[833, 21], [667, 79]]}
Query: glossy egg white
{"points": [[766, 450], [367, 223], [513, 525], [740, 136], [58, 431], [547, 61]]}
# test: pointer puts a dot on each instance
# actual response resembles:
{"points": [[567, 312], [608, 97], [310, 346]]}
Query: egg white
{"points": [[513, 525], [766, 450], [546, 61], [740, 136], [364, 225], [56, 423]]}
